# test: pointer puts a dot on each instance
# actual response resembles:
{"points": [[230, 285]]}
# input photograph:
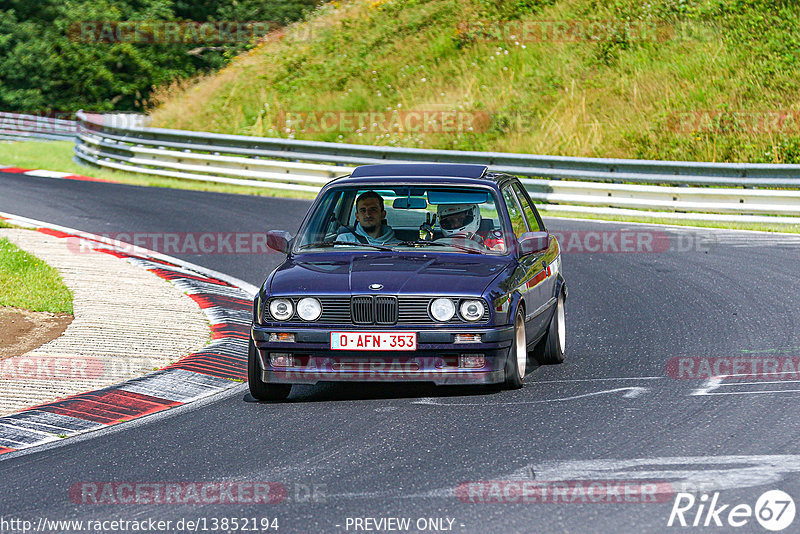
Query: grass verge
{"points": [[28, 282]]}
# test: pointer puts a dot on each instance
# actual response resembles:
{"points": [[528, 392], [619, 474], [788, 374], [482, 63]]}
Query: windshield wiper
{"points": [[321, 244], [435, 244]]}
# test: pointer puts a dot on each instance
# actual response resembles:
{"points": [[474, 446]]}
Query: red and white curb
{"points": [[227, 303], [52, 174]]}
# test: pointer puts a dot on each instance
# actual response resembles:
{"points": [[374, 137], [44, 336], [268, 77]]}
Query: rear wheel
{"points": [[551, 348], [517, 360], [258, 388]]}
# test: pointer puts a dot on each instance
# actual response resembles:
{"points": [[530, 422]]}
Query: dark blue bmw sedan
{"points": [[440, 273]]}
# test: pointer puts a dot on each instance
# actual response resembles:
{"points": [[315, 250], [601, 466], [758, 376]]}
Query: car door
{"points": [[535, 224], [530, 273]]}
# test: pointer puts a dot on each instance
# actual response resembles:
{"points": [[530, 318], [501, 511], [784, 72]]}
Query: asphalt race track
{"points": [[616, 410]]}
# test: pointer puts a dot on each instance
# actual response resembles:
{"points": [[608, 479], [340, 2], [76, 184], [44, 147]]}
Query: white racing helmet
{"points": [[458, 219]]}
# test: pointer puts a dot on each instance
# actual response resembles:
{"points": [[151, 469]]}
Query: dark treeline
{"points": [[63, 55]]}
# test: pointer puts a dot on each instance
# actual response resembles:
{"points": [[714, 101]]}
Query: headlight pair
{"points": [[443, 309], [309, 309]]}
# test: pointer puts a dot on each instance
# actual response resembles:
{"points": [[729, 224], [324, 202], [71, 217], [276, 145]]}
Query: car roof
{"points": [[444, 173]]}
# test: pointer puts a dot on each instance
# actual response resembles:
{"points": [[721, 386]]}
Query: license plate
{"points": [[373, 341]]}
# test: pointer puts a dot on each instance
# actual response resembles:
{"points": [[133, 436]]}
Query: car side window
{"points": [[527, 209], [514, 212]]}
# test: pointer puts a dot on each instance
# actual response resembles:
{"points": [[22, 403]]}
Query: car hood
{"points": [[441, 274]]}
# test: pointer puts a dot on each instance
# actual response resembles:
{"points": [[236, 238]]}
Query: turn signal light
{"points": [[282, 337], [468, 338]]}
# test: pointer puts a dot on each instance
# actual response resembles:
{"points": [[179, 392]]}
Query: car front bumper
{"points": [[437, 351]]}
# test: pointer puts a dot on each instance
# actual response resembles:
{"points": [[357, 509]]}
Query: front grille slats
{"points": [[362, 310], [371, 310], [385, 310], [335, 310], [414, 310]]}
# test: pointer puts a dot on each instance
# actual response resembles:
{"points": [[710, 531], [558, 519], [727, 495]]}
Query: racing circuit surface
{"points": [[627, 405]]}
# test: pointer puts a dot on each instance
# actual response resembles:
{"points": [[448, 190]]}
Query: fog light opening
{"points": [[281, 359], [471, 361]]}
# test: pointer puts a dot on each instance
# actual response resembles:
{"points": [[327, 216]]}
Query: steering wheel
{"points": [[470, 240]]}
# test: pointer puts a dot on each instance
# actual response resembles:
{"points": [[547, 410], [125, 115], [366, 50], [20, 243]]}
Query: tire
{"points": [[551, 349], [517, 359], [259, 389]]}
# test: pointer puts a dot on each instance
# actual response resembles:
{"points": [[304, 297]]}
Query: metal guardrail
{"points": [[122, 142], [22, 127]]}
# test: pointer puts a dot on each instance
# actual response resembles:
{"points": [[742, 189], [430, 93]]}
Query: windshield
{"points": [[462, 220]]}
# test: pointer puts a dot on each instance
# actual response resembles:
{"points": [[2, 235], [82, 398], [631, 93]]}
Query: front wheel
{"points": [[259, 389], [551, 349], [517, 360]]}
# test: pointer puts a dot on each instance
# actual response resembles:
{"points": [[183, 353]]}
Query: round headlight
{"points": [[442, 310], [309, 309], [472, 310], [281, 309]]}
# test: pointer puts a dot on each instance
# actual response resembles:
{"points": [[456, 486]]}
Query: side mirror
{"points": [[532, 242], [279, 240]]}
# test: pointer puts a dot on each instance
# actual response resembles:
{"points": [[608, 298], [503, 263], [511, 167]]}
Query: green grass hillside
{"points": [[710, 80]]}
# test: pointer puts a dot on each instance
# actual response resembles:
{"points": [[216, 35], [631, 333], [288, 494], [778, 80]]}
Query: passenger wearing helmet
{"points": [[459, 220]]}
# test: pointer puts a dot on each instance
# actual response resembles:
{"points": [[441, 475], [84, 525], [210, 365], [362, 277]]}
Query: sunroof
{"points": [[458, 170]]}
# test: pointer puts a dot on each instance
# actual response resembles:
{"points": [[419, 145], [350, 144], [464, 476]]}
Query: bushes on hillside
{"points": [[61, 56]]}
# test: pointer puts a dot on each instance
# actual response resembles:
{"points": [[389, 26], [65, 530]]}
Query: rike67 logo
{"points": [[774, 510]]}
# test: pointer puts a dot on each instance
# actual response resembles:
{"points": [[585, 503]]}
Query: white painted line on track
{"points": [[773, 392], [711, 385], [631, 393], [680, 473], [48, 174], [598, 379], [759, 383], [699, 472]]}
